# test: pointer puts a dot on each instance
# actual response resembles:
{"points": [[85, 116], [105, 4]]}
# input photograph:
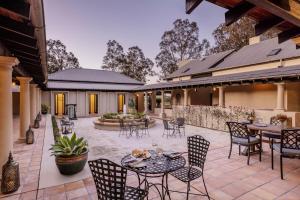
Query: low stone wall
{"points": [[114, 125]]}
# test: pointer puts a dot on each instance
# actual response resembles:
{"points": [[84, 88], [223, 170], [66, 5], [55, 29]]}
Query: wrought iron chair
{"points": [[180, 122], [197, 151], [289, 146], [240, 135], [123, 128], [144, 129], [110, 181], [168, 128], [270, 135]]}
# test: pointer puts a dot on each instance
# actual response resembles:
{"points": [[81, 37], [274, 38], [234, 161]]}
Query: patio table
{"points": [[156, 167]]}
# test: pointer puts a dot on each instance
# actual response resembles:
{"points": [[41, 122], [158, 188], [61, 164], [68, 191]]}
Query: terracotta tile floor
{"points": [[225, 178]]}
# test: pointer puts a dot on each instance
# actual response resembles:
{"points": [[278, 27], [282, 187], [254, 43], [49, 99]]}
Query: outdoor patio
{"points": [[225, 178]]}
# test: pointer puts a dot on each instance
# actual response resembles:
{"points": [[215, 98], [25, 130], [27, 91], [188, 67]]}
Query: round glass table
{"points": [[154, 167]]}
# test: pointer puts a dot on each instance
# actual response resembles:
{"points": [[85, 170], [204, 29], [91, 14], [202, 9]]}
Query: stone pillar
{"points": [[145, 102], [162, 105], [153, 101], [280, 96], [38, 105], [221, 97], [32, 103], [6, 113], [185, 97], [24, 106]]}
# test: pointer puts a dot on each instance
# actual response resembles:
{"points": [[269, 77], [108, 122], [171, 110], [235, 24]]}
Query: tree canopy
{"points": [[132, 63], [236, 35], [58, 58], [178, 44]]}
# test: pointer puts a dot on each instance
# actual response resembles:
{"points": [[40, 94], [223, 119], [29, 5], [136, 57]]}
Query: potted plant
{"points": [[44, 109], [71, 154], [251, 116]]}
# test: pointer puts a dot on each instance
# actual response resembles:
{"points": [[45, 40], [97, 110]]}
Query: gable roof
{"points": [[200, 65], [258, 53], [92, 76]]}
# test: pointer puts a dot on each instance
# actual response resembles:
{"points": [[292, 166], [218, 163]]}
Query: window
{"points": [[59, 104], [93, 103], [158, 99], [168, 100], [274, 52], [121, 102]]}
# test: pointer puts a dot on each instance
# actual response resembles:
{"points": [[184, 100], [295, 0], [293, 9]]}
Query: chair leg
{"points": [[272, 154], [248, 152], [205, 187], [188, 191], [230, 150], [281, 167], [260, 150], [239, 150]]}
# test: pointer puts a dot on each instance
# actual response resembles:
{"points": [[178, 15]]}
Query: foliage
{"points": [[56, 133], [58, 57], [133, 63], [178, 44], [44, 108], [236, 35], [110, 116], [66, 146]]}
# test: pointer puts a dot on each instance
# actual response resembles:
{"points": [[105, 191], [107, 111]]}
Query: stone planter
{"points": [[114, 125], [69, 165]]}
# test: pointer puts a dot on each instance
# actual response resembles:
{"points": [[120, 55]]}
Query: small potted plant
{"points": [[251, 116], [44, 109], [71, 154]]}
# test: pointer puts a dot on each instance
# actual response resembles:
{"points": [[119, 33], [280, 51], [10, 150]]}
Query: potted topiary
{"points": [[131, 106], [71, 154], [44, 109]]}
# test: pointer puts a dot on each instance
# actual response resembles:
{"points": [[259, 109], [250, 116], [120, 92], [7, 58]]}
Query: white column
{"points": [[32, 103], [280, 96], [185, 97], [221, 97], [162, 105], [24, 106], [6, 113], [146, 103]]}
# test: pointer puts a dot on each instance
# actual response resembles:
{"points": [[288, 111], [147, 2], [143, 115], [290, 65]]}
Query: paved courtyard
{"points": [[225, 178]]}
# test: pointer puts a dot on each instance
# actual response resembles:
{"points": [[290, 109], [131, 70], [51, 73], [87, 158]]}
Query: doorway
{"points": [[93, 104], [60, 104], [121, 102]]}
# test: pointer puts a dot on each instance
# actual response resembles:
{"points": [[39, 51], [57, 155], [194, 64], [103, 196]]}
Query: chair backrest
{"points": [[290, 139], [180, 121], [237, 129], [275, 121], [121, 121], [109, 178], [197, 150], [146, 121], [166, 124]]}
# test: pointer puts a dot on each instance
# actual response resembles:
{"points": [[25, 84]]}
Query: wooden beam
{"points": [[15, 36], [21, 47], [24, 54], [277, 10], [234, 14], [21, 27], [19, 7], [267, 24], [288, 34], [190, 5]]}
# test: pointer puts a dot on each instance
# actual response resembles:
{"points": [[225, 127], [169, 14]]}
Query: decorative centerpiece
{"points": [[251, 116], [71, 154], [282, 117]]}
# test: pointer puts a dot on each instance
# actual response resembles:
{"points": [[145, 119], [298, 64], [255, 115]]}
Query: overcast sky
{"points": [[85, 26]]}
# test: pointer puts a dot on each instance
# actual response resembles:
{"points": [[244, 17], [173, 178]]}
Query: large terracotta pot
{"points": [[71, 164]]}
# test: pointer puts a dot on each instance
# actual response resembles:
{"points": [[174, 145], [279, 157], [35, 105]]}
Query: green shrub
{"points": [[66, 146], [56, 133], [44, 109], [110, 116]]}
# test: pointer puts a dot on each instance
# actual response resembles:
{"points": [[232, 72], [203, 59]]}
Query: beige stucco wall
{"points": [[202, 96], [16, 103], [293, 96]]}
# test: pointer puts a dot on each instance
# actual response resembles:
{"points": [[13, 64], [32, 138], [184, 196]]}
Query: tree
{"points": [[178, 44], [236, 35], [133, 63], [58, 57]]}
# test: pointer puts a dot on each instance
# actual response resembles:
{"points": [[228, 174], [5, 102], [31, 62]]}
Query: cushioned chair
{"points": [[110, 181], [197, 151], [289, 146], [240, 135], [271, 135]]}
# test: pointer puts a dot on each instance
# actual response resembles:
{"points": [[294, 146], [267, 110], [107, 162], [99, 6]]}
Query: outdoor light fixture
{"points": [[36, 123], [214, 89], [137, 95], [13, 83], [10, 176], [195, 89], [29, 136]]}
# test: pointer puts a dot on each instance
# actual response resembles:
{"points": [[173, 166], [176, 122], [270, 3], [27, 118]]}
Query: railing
{"points": [[212, 117]]}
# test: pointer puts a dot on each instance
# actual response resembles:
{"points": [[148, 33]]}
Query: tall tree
{"points": [[178, 44], [58, 57], [236, 35], [133, 63]]}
